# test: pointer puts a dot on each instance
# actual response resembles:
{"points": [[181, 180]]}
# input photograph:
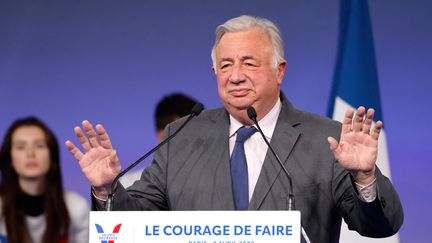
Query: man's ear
{"points": [[281, 70], [213, 69]]}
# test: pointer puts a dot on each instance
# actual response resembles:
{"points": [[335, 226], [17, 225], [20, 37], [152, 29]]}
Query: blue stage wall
{"points": [[111, 61]]}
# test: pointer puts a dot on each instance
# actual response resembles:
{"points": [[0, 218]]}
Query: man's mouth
{"points": [[239, 92]]}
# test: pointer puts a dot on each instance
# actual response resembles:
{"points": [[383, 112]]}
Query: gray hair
{"points": [[246, 22]]}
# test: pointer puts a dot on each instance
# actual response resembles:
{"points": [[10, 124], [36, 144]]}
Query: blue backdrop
{"points": [[111, 61]]}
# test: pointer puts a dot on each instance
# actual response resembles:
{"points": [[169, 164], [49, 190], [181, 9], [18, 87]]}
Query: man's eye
{"points": [[223, 66]]}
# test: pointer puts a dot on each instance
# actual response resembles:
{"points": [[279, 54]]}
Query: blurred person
{"points": [[170, 108], [34, 207]]}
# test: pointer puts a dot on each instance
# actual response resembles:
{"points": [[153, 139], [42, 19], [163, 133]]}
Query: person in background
{"points": [[170, 108], [33, 205]]}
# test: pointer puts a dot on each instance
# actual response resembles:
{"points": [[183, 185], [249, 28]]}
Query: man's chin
{"points": [[241, 104]]}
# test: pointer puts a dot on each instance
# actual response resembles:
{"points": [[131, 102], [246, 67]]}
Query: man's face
{"points": [[245, 73]]}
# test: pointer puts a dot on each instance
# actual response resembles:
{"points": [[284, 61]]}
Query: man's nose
{"points": [[237, 74]]}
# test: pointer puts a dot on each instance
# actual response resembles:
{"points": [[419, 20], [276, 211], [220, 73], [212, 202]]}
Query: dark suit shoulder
{"points": [[210, 119], [307, 122]]}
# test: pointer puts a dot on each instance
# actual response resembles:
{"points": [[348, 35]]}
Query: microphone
{"points": [[253, 116], [291, 202], [196, 110]]}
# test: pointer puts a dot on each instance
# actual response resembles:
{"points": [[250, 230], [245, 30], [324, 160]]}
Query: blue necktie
{"points": [[239, 171]]}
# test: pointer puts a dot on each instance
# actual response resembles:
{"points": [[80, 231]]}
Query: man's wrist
{"points": [[364, 178], [99, 193]]}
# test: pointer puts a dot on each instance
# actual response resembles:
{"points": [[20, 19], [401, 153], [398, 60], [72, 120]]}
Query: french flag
{"points": [[355, 83]]}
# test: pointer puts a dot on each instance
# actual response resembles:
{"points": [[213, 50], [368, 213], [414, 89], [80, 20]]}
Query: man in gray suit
{"points": [[332, 165]]}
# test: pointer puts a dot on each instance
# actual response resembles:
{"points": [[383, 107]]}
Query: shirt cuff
{"points": [[100, 203], [368, 192]]}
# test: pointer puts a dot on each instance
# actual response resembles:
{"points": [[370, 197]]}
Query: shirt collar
{"points": [[267, 123]]}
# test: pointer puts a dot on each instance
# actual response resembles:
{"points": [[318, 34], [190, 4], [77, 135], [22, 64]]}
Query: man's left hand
{"points": [[357, 149]]}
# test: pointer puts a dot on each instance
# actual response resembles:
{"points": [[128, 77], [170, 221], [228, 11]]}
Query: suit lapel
{"points": [[283, 141], [220, 155]]}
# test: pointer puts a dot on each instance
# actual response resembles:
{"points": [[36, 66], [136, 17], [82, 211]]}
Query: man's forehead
{"points": [[242, 46], [239, 57], [256, 33]]}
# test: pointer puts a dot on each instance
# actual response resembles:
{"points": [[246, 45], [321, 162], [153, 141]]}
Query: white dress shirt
{"points": [[255, 147]]}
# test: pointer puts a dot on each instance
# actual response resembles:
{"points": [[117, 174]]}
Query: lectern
{"points": [[195, 227]]}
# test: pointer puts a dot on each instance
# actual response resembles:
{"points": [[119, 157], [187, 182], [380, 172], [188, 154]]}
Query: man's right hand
{"points": [[99, 162]]}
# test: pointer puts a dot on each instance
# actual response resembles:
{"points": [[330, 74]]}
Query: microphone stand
{"points": [[291, 202], [196, 110]]}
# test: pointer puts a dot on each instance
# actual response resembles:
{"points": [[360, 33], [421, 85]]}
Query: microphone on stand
{"points": [[196, 110], [291, 201]]}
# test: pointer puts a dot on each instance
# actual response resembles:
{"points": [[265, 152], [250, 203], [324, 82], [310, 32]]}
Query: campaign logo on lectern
{"points": [[108, 237]]}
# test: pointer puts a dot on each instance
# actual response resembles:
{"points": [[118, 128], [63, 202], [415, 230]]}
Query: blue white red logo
{"points": [[108, 237]]}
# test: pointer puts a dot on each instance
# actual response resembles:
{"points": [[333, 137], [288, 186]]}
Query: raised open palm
{"points": [[357, 149], [99, 162]]}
